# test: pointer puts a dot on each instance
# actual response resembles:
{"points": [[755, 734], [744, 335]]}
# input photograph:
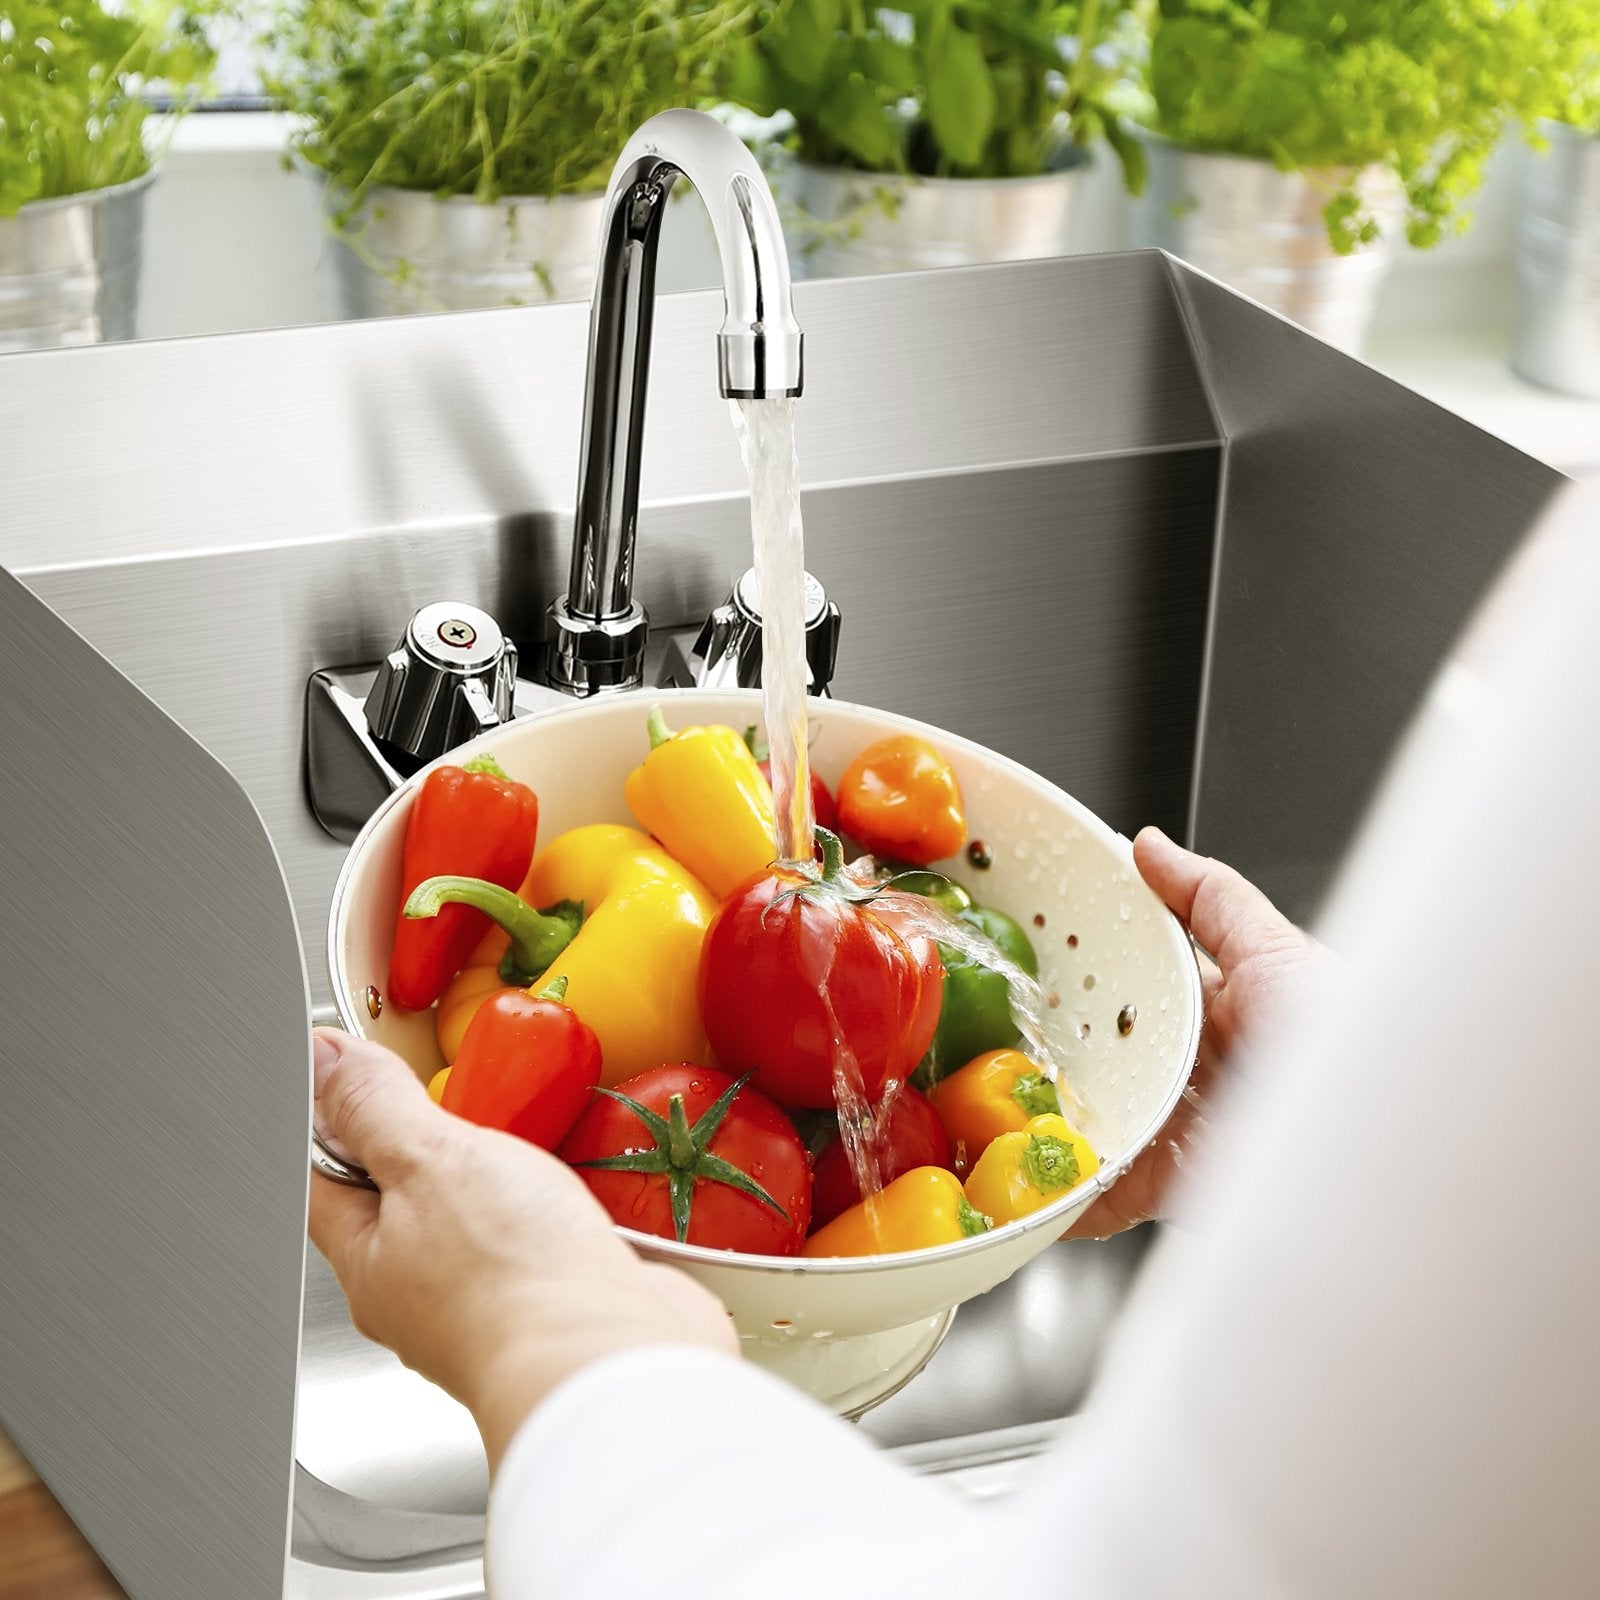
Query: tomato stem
{"points": [[681, 1150]]}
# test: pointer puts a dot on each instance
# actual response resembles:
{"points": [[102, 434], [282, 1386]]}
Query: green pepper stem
{"points": [[555, 990], [656, 727], [487, 764], [536, 938], [681, 1149], [972, 1221], [1049, 1164]]}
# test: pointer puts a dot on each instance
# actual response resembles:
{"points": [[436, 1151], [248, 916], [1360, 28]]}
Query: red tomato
{"points": [[799, 975], [909, 1135], [677, 1151], [526, 1065], [822, 806]]}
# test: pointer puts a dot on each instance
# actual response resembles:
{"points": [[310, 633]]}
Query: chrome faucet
{"points": [[597, 631]]}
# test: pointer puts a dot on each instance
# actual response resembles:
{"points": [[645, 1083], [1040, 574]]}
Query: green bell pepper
{"points": [[976, 1013]]}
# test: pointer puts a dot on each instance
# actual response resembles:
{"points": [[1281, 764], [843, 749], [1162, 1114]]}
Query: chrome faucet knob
{"points": [[727, 653], [450, 678]]}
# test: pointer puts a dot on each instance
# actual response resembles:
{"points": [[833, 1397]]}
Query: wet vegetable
{"points": [[802, 973], [999, 1092], [909, 1134], [1023, 1171], [977, 1014], [700, 792], [921, 1208], [694, 1155], [471, 821], [630, 970], [527, 1065], [900, 799]]}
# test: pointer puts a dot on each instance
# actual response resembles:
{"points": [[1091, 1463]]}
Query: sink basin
{"points": [[1099, 514]]}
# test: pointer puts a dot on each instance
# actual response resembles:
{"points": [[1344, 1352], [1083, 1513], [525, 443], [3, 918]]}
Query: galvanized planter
{"points": [[1558, 265], [69, 268], [405, 251], [843, 223], [1262, 232]]}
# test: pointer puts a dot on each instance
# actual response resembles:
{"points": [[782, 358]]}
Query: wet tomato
{"points": [[689, 1153], [800, 975]]}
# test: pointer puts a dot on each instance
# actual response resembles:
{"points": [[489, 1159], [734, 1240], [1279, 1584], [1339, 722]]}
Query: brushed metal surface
{"points": [[844, 222], [155, 1077], [473, 419], [1263, 232], [1360, 524], [70, 268], [1557, 341], [406, 251]]}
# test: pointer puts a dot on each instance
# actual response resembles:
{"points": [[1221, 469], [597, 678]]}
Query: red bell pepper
{"points": [[527, 1065], [908, 1135], [470, 822]]}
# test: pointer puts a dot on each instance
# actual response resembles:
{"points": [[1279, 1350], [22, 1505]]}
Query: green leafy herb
{"points": [[488, 97], [1425, 90], [1565, 74], [72, 77], [946, 88]]}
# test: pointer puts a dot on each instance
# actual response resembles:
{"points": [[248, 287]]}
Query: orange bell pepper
{"points": [[921, 1208], [900, 798], [997, 1092]]}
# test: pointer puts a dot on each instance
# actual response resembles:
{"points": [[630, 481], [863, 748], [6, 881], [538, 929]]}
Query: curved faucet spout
{"points": [[598, 629]]}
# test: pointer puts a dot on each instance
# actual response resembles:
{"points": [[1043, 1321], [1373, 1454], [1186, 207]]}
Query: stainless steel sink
{"points": [[1099, 513]]}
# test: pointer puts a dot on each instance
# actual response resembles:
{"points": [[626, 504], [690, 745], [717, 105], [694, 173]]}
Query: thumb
{"points": [[374, 1106], [1229, 916]]}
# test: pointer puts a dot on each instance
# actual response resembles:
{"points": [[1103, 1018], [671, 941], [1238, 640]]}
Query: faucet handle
{"points": [[727, 653], [450, 678]]}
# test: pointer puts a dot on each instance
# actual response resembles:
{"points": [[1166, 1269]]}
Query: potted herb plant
{"points": [[466, 144], [75, 160], [1557, 339], [1295, 142], [937, 132]]}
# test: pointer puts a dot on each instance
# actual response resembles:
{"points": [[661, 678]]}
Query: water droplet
{"points": [[1072, 941], [782, 1325], [1126, 1018], [1166, 1001], [978, 855], [1054, 1000], [1020, 849], [1038, 919], [1084, 1031], [1124, 911], [1088, 980], [374, 1003]]}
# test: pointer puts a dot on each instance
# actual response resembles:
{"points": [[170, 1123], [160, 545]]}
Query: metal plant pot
{"points": [[1558, 265], [1262, 232], [843, 223], [405, 251], [69, 268]]}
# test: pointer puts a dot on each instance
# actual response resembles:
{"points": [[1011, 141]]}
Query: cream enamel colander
{"points": [[1127, 1018]]}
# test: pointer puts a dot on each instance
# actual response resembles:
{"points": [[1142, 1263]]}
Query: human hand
{"points": [[1260, 962], [484, 1263]]}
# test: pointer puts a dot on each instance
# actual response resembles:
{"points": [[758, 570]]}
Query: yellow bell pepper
{"points": [[632, 970], [921, 1208], [997, 1092], [436, 1085], [1023, 1171], [702, 795]]}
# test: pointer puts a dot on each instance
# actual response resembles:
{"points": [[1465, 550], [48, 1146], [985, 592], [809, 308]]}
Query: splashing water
{"points": [[1030, 1003], [766, 441]]}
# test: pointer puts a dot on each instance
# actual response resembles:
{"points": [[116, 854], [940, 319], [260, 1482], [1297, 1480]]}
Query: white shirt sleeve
{"points": [[1371, 1366]]}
